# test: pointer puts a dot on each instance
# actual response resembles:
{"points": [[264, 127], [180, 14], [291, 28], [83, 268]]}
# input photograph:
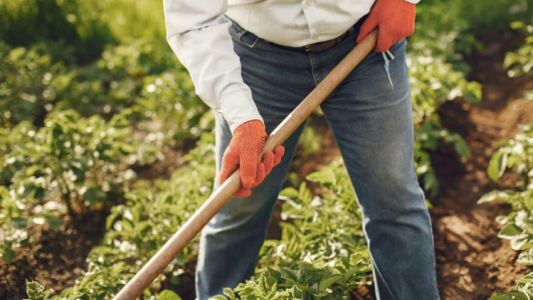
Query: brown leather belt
{"points": [[323, 46]]}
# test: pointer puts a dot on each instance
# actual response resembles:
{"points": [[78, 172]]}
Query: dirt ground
{"points": [[472, 263], [55, 258]]}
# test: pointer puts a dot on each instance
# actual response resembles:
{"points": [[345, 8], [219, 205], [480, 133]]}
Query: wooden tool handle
{"points": [[221, 196]]}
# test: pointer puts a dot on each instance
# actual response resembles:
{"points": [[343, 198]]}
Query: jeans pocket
{"points": [[242, 36]]}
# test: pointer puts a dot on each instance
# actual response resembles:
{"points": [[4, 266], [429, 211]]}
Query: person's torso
{"points": [[297, 23]]}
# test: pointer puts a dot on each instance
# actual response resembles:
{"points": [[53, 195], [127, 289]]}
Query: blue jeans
{"points": [[372, 124]]}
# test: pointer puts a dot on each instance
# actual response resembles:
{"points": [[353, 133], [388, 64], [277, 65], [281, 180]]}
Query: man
{"points": [[255, 73]]}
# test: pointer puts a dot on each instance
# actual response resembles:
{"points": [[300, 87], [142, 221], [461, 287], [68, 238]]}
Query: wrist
{"points": [[251, 123]]}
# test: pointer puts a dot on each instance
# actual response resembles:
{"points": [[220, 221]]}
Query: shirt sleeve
{"points": [[197, 32], [413, 1]]}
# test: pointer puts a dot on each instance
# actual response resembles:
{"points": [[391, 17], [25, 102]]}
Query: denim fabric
{"points": [[372, 124]]}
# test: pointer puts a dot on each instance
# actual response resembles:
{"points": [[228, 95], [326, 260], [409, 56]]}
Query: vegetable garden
{"points": [[105, 151]]}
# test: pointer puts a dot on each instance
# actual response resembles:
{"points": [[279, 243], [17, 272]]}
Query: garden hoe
{"points": [[221, 196]]}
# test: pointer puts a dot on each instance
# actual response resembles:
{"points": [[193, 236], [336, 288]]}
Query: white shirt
{"points": [[197, 31]]}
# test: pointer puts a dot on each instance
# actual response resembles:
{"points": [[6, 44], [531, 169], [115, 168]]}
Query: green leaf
{"points": [[325, 177], [229, 292], [517, 295], [496, 195], [218, 297], [510, 231], [460, 146], [168, 295], [93, 195], [53, 221], [497, 166], [8, 255], [39, 193], [326, 283], [526, 258], [522, 242], [28, 190], [19, 223]]}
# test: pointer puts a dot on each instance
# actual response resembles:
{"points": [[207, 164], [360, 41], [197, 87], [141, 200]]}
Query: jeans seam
{"points": [[312, 69], [383, 279]]}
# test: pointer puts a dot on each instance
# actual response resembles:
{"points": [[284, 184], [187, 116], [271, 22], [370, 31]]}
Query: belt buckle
{"points": [[308, 48]]}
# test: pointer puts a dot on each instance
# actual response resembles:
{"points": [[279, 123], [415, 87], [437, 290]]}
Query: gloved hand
{"points": [[243, 152], [395, 19]]}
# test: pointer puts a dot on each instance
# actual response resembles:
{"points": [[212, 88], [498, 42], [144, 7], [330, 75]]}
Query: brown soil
{"points": [[472, 262], [54, 258]]}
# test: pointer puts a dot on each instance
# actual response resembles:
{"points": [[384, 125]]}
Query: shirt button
{"points": [[315, 37], [308, 2]]}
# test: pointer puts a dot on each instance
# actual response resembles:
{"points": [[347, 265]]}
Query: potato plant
{"points": [[71, 164], [438, 74], [520, 62], [35, 291], [322, 252], [29, 83], [168, 104], [516, 154], [141, 226]]}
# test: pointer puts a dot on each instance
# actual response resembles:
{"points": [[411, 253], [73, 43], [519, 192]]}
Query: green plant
{"points": [[71, 163], [168, 103], [438, 74], [515, 153], [29, 82], [520, 62], [140, 227], [522, 291], [310, 141], [316, 256], [36, 291]]}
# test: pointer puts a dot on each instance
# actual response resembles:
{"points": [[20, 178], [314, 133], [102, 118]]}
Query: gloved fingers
{"points": [[268, 161], [261, 173], [278, 154], [230, 163], [243, 192], [370, 24], [248, 166], [384, 42]]}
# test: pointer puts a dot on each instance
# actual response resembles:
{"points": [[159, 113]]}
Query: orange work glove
{"points": [[395, 19], [243, 152]]}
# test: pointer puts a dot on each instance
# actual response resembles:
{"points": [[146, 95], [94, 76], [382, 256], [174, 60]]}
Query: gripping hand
{"points": [[395, 20], [243, 152]]}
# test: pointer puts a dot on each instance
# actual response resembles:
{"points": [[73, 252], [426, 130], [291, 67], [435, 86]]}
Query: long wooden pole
{"points": [[221, 196]]}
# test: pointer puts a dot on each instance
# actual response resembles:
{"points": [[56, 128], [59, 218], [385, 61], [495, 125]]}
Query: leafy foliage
{"points": [[520, 62], [517, 154], [438, 74], [72, 162], [522, 291], [140, 227], [322, 252]]}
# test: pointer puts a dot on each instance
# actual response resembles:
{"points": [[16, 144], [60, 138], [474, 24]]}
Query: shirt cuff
{"points": [[238, 107], [413, 1]]}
